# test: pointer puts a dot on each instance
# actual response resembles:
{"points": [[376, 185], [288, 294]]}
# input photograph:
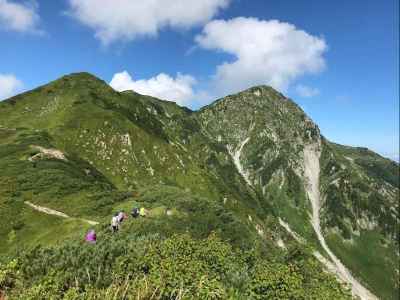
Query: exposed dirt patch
{"points": [[47, 153]]}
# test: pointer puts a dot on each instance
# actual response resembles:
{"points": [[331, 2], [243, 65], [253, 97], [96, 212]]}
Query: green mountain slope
{"points": [[358, 189], [236, 169]]}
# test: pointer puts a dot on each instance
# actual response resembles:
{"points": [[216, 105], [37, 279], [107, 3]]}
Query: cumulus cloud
{"points": [[163, 86], [9, 86], [265, 52], [20, 17], [306, 91], [129, 19]]}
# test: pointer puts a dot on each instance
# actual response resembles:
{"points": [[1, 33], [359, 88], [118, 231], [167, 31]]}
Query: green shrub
{"points": [[276, 281]]}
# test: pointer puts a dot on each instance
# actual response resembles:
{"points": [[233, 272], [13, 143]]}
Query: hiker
{"points": [[121, 216], [142, 212], [91, 237], [114, 223], [135, 212]]}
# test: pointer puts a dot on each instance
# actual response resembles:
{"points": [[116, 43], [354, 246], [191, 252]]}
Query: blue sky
{"points": [[337, 59]]}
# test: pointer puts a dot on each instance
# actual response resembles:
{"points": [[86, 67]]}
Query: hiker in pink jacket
{"points": [[91, 237], [121, 216]]}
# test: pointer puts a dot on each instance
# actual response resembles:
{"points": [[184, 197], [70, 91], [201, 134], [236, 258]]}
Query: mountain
{"points": [[250, 175], [350, 193]]}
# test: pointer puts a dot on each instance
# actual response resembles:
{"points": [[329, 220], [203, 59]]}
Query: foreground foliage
{"points": [[126, 266]]}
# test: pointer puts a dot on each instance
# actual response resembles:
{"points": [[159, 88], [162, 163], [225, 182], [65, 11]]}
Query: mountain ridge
{"points": [[83, 74]]}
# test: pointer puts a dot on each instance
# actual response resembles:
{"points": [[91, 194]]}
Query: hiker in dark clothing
{"points": [[135, 212]]}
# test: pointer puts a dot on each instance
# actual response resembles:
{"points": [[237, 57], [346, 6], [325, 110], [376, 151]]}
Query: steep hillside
{"points": [[239, 169], [265, 133], [360, 214]]}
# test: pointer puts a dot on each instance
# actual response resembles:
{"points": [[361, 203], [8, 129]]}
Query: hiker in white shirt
{"points": [[115, 223]]}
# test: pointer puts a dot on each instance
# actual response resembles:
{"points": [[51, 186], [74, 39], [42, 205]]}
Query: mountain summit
{"points": [[251, 168]]}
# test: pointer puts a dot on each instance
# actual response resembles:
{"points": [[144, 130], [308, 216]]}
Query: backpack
{"points": [[135, 212], [121, 217]]}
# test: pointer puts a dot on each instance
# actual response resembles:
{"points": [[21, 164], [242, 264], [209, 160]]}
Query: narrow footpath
{"points": [[53, 212]]}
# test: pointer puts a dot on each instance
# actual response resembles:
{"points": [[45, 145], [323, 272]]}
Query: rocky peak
{"points": [[259, 111]]}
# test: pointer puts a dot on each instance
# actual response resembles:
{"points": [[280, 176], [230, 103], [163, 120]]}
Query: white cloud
{"points": [[20, 17], [306, 91], [163, 86], [129, 19], [9, 86], [265, 52]]}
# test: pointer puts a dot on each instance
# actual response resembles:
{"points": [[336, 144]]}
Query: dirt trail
{"points": [[311, 172], [52, 153], [53, 212]]}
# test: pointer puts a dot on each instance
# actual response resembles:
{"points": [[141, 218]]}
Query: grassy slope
{"points": [[374, 165], [370, 253], [374, 263], [57, 184]]}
